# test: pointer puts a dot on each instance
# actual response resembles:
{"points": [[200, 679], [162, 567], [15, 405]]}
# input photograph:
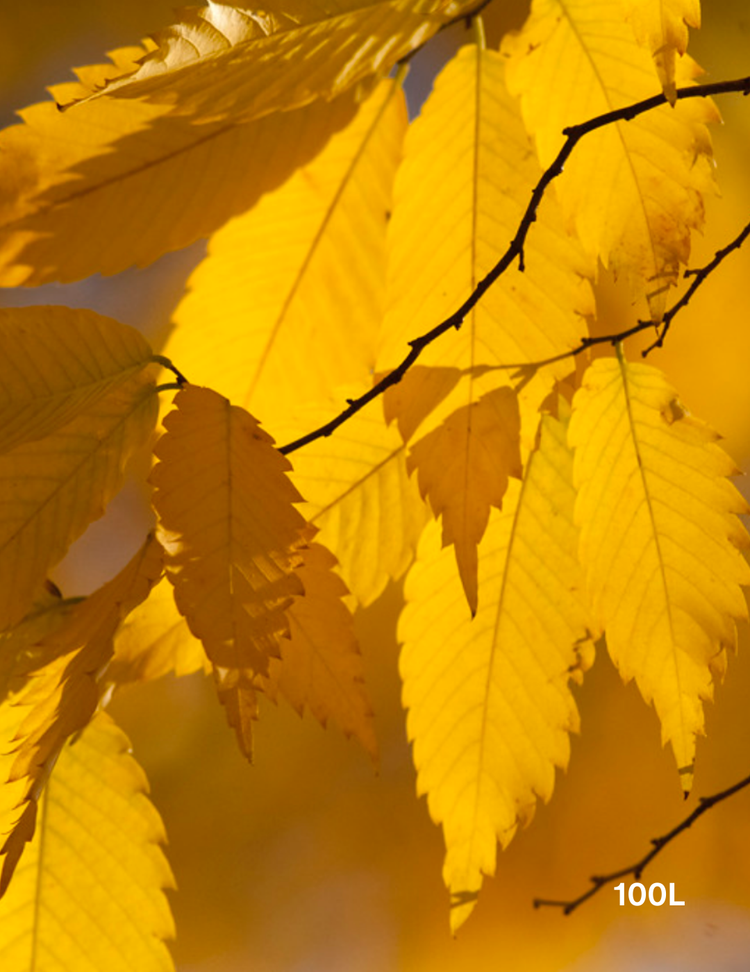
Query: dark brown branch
{"points": [[515, 250], [659, 843]]}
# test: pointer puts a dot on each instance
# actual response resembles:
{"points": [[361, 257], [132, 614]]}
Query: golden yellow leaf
{"points": [[232, 538], [55, 362], [320, 666], [468, 175], [155, 640], [633, 190], [113, 184], [222, 57], [52, 488], [662, 27], [659, 539], [90, 891], [290, 325], [463, 467], [359, 495], [489, 704], [54, 690]]}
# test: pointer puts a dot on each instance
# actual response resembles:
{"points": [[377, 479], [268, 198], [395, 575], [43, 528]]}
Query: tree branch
{"points": [[659, 843], [515, 250]]}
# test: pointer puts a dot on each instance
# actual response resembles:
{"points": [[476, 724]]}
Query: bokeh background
{"points": [[310, 861]]}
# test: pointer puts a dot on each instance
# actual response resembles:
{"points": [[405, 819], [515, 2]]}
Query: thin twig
{"points": [[515, 250], [659, 843]]}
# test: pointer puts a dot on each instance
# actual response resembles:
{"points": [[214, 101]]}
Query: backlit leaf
{"points": [[662, 27], [463, 468], [489, 704], [659, 539], [633, 190], [232, 537], [54, 689], [468, 175], [110, 185], [359, 495], [293, 326], [89, 893], [154, 640], [55, 362], [223, 56], [320, 667], [51, 489]]}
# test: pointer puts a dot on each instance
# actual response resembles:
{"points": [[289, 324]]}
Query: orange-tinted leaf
{"points": [[463, 468], [320, 666], [232, 537]]}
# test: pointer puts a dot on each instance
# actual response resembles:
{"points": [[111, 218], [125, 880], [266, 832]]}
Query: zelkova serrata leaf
{"points": [[221, 57], [634, 190], [89, 893], [54, 688], [233, 539], [659, 541], [489, 707]]}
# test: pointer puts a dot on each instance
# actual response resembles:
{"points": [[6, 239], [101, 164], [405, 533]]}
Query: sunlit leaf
{"points": [[294, 326], [221, 57], [662, 27], [110, 185], [489, 704], [633, 190], [232, 537], [659, 539], [54, 689], [52, 488], [89, 893], [320, 667], [55, 362]]}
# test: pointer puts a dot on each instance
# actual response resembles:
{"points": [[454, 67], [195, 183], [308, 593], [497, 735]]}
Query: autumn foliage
{"points": [[540, 488]]}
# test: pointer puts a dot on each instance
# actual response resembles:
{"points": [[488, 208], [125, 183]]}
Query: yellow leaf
{"points": [[55, 687], [359, 495], [89, 894], [155, 640], [55, 362], [659, 539], [633, 190], [489, 704], [119, 183], [51, 489], [662, 27], [290, 325], [463, 468], [468, 175], [221, 57], [232, 538], [320, 666]]}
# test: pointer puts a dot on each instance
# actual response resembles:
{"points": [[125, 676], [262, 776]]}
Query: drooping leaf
{"points": [[468, 175], [54, 689], [232, 537], [52, 488], [359, 495], [222, 57], [632, 190], [489, 704], [463, 467], [294, 326], [662, 27], [90, 891], [659, 541], [55, 362], [110, 185], [155, 640], [320, 668]]}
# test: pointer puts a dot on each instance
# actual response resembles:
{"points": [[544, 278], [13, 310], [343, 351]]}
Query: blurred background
{"points": [[310, 861]]}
